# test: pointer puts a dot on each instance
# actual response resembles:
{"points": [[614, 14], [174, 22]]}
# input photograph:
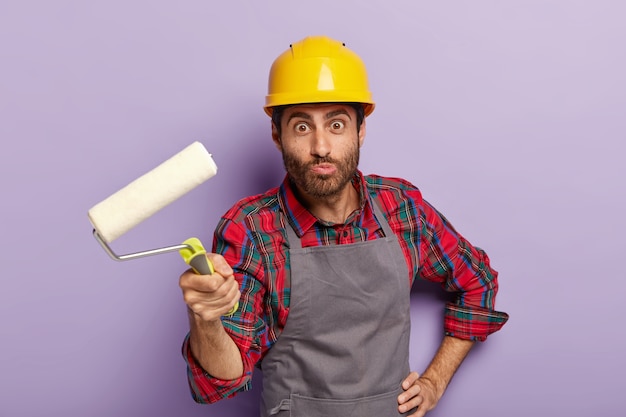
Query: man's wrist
{"points": [[437, 385]]}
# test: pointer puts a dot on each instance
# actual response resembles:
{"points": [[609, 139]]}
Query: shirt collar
{"points": [[302, 220]]}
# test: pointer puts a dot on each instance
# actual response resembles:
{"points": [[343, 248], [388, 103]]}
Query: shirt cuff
{"points": [[472, 323], [206, 389]]}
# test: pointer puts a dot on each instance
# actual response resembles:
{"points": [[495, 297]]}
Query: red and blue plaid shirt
{"points": [[251, 236]]}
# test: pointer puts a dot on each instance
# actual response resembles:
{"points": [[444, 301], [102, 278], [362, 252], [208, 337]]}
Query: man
{"points": [[321, 267]]}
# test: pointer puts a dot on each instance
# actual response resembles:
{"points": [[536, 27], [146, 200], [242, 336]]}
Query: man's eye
{"points": [[302, 127], [337, 125]]}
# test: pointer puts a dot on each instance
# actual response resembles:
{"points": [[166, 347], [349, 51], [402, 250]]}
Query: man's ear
{"points": [[362, 133], [276, 137]]}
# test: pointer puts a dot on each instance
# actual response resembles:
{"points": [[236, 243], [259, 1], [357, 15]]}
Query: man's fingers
{"points": [[213, 286], [204, 283], [419, 413], [211, 305], [410, 380], [211, 296], [420, 395], [219, 264]]}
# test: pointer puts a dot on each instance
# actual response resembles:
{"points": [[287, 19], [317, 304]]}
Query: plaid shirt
{"points": [[251, 237]]}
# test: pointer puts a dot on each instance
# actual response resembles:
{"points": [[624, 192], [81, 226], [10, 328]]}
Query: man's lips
{"points": [[323, 169]]}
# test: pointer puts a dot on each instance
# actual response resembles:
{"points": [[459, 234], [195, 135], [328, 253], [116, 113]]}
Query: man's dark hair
{"points": [[277, 115]]}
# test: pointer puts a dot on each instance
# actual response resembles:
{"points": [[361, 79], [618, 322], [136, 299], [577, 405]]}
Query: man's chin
{"points": [[322, 188]]}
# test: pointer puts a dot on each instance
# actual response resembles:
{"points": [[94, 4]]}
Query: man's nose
{"points": [[321, 144]]}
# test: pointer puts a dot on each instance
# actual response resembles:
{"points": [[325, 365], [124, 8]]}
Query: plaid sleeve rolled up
{"points": [[449, 259]]}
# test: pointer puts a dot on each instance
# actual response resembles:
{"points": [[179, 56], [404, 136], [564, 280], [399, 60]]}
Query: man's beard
{"points": [[318, 185]]}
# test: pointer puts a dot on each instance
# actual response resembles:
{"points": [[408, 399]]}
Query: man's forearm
{"points": [[214, 349], [447, 360]]}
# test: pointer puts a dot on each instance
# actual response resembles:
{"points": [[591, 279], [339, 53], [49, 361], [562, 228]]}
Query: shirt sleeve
{"points": [[448, 258], [246, 327], [204, 388]]}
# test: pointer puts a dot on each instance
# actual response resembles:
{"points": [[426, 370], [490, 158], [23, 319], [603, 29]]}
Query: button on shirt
{"points": [[252, 239]]}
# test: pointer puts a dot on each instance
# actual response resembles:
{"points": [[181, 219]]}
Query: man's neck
{"points": [[332, 209]]}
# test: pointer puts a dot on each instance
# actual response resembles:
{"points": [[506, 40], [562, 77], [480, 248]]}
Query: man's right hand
{"points": [[209, 297]]}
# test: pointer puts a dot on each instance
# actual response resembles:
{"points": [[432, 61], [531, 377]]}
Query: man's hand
{"points": [[418, 392], [210, 297], [426, 390]]}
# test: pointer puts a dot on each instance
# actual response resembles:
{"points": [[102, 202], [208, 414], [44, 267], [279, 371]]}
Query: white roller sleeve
{"points": [[151, 192]]}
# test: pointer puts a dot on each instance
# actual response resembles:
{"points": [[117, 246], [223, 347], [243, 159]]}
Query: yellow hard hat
{"points": [[318, 69]]}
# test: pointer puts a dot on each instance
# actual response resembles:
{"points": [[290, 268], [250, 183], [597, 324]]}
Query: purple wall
{"points": [[510, 116]]}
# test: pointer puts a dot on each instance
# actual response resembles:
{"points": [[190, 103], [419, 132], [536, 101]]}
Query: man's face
{"points": [[320, 147]]}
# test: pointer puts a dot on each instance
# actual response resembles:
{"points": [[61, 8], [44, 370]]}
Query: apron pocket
{"points": [[381, 405]]}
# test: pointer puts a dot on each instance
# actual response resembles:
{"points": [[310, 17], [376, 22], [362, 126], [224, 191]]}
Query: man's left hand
{"points": [[418, 392]]}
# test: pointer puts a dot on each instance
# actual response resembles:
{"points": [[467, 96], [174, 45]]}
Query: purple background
{"points": [[510, 116]]}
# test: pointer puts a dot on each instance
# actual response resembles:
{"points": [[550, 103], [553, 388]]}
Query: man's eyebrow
{"points": [[329, 115], [299, 114], [334, 113]]}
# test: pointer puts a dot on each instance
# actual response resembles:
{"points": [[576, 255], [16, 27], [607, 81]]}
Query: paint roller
{"points": [[148, 194]]}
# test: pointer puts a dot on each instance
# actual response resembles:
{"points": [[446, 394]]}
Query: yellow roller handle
{"points": [[195, 256]]}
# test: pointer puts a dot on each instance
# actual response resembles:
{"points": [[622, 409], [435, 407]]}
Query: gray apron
{"points": [[344, 350]]}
